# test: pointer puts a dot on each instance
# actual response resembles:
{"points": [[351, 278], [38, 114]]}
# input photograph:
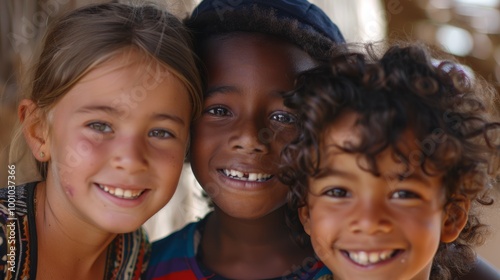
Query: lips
{"points": [[121, 193], [246, 176], [366, 258]]}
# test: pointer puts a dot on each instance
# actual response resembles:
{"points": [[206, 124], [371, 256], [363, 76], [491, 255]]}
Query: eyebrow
{"points": [[220, 90], [107, 109], [115, 112], [325, 172], [412, 176], [232, 89], [163, 116]]}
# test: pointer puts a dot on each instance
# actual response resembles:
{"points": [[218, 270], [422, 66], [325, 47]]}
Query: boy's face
{"points": [[236, 143], [368, 227], [117, 143]]}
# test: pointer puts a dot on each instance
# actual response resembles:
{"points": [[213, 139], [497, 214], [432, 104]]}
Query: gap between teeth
{"points": [[118, 192], [366, 258], [246, 176]]}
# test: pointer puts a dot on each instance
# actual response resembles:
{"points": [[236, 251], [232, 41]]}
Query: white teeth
{"points": [[363, 258], [118, 192], [373, 257], [254, 177], [385, 255], [366, 258], [127, 193]]}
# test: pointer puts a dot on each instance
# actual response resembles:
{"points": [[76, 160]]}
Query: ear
{"points": [[35, 129], [304, 218], [455, 218]]}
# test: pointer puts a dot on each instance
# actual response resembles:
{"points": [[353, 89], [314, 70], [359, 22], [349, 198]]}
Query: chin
{"points": [[120, 225], [120, 228]]}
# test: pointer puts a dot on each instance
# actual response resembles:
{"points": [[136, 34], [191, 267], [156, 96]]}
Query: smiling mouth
{"points": [[121, 193], [242, 176], [370, 258]]}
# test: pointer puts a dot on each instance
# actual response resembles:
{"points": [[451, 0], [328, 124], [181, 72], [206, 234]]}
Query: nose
{"points": [[129, 155], [370, 218], [251, 137]]}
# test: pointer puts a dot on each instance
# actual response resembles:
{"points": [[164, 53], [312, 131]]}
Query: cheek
{"points": [[326, 224], [425, 219], [423, 228], [202, 136], [284, 136], [322, 239], [72, 148], [69, 191], [72, 154], [324, 216], [205, 143], [168, 162]]}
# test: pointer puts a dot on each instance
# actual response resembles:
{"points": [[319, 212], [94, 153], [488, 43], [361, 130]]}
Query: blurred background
{"points": [[467, 29]]}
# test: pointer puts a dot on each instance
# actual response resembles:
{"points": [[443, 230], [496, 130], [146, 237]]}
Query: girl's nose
{"points": [[129, 155]]}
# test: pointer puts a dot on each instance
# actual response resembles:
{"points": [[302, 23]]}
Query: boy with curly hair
{"points": [[393, 157]]}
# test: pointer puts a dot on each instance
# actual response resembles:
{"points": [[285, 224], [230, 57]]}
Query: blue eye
{"points": [[218, 111], [338, 193], [284, 117], [403, 194], [160, 133], [100, 127]]}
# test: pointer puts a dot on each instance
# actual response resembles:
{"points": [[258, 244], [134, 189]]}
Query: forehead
{"points": [[128, 59], [231, 51], [346, 132], [128, 81], [342, 131]]}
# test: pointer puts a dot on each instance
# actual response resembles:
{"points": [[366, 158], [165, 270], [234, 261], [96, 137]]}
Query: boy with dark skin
{"points": [[252, 51], [235, 150]]}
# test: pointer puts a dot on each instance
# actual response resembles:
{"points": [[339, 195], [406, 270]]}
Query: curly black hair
{"points": [[404, 89]]}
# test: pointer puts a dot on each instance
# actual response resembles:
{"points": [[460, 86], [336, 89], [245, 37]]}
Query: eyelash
{"points": [[406, 194], [214, 109], [290, 118], [337, 193], [165, 132], [97, 126], [400, 194]]}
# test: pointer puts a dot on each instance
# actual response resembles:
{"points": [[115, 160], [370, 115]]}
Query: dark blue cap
{"points": [[307, 14]]}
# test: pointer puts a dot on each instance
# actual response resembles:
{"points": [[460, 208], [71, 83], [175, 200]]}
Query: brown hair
{"points": [[405, 89], [83, 38]]}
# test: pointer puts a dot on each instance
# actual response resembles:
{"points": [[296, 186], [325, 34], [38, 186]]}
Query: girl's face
{"points": [[368, 227], [237, 142], [117, 143]]}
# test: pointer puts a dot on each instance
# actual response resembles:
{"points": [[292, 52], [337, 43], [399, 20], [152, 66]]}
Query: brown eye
{"points": [[218, 111], [405, 194], [284, 117], [337, 192], [160, 133]]}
